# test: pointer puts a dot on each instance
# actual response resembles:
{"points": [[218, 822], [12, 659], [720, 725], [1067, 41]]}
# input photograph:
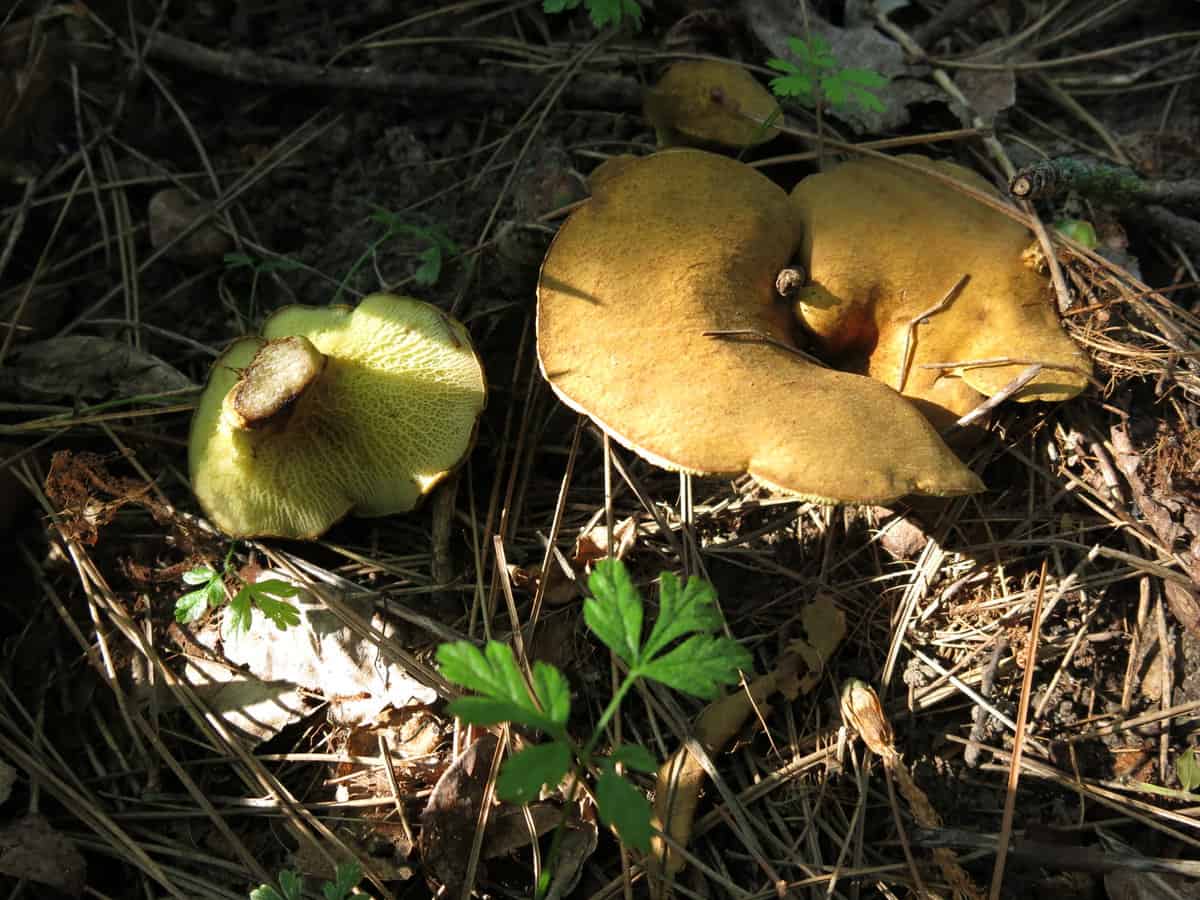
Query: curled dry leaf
{"points": [[592, 545], [680, 778]]}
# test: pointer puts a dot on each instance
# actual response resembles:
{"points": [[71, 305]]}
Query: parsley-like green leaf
{"points": [[614, 611], [199, 575], [552, 691], [430, 269], [292, 884], [192, 605], [793, 83], [284, 615], [264, 594], [819, 73], [636, 757], [234, 261], [681, 611], [345, 879], [494, 675], [814, 53], [272, 587], [601, 12], [523, 775], [624, 807], [1188, 769], [239, 615], [699, 666]]}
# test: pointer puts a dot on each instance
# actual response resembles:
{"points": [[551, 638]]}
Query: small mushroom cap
{"points": [[699, 102], [390, 413], [685, 242], [883, 245]]}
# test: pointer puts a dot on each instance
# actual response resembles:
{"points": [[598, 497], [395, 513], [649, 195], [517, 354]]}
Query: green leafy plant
{"points": [[258, 268], [682, 651], [209, 592], [1187, 767], [291, 885], [819, 77], [602, 12], [438, 247]]}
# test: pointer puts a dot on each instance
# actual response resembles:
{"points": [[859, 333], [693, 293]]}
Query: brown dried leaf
{"points": [[30, 848], [171, 213], [592, 546], [82, 367], [1184, 605], [451, 816]]}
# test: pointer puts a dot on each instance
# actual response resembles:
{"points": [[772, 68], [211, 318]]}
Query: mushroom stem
{"points": [[268, 388]]}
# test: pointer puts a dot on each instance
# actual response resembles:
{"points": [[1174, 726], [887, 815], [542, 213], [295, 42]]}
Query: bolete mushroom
{"points": [[700, 102], [684, 243], [334, 410], [884, 246]]}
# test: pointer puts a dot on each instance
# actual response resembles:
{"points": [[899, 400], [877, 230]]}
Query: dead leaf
{"points": [[900, 534], [451, 816], [30, 848], [576, 848], [1184, 604], [560, 588], [82, 367], [508, 829], [592, 546], [276, 676], [680, 778], [171, 213], [81, 488], [989, 92]]}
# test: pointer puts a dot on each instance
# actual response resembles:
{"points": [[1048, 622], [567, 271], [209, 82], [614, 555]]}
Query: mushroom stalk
{"points": [[267, 391]]}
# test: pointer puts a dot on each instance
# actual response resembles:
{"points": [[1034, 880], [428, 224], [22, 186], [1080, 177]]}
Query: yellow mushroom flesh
{"points": [[340, 410]]}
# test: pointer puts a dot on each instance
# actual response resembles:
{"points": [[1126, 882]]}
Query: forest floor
{"points": [[172, 174]]}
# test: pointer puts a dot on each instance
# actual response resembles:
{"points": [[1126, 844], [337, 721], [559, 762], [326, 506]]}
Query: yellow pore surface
{"points": [[392, 413]]}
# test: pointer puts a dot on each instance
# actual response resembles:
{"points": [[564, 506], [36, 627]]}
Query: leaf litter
{"points": [[1104, 489]]}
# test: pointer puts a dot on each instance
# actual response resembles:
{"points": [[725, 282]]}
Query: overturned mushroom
{"points": [[907, 273], [706, 102], [685, 243], [334, 410]]}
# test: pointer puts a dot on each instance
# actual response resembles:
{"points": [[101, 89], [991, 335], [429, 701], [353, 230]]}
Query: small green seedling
{"points": [[1187, 767], [258, 268], [439, 246], [291, 885], [1079, 230], [819, 77], [268, 596], [682, 651], [602, 12]]}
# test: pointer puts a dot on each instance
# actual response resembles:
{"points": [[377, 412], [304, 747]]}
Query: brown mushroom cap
{"points": [[699, 101], [882, 245], [685, 242]]}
